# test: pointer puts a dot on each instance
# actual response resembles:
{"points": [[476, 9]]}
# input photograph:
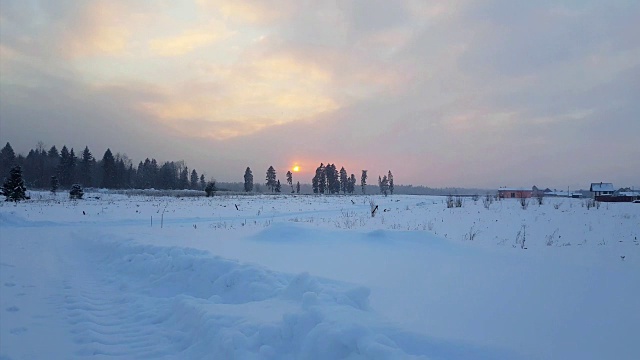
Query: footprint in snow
{"points": [[9, 284], [13, 309]]}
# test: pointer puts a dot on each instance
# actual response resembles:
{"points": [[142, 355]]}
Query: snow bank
{"points": [[196, 305]]}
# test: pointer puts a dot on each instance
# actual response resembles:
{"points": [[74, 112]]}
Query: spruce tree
{"points": [[390, 178], [344, 180], [184, 178], [278, 186], [248, 180], [203, 183], [13, 188], [298, 187], [86, 165], [108, 170], [7, 159], [194, 180], [63, 167]]}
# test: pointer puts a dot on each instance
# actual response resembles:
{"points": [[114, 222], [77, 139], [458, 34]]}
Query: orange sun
{"points": [[296, 168]]}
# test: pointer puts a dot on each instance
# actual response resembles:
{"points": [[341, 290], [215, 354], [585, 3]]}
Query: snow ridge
{"points": [[144, 301]]}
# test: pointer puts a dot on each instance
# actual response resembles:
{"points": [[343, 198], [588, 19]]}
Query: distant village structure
{"points": [[514, 193], [601, 191], [605, 192]]}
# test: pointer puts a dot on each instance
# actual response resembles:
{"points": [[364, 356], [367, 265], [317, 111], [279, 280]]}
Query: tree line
{"points": [[52, 168], [43, 168]]}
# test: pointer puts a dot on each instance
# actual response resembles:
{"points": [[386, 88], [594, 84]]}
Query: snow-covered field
{"points": [[312, 277]]}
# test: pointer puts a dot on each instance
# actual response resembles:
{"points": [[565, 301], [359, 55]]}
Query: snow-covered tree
{"points": [[13, 188], [76, 192]]}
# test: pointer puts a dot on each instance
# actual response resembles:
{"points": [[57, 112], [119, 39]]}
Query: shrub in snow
{"points": [[450, 202], [55, 184], [524, 203], [487, 201], [13, 188], [76, 192], [211, 188]]}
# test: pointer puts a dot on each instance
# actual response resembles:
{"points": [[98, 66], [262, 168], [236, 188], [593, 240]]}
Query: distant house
{"points": [[562, 193], [601, 189], [514, 193]]}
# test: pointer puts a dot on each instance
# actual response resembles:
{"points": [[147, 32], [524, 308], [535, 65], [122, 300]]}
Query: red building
{"points": [[514, 193]]}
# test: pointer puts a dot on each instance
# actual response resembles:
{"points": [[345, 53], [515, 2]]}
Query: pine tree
{"points": [[390, 178], [344, 180], [13, 188], [248, 180], [322, 178], [363, 181], [7, 159], [290, 180], [352, 184], [271, 178], [184, 178], [384, 185], [194, 180], [55, 184]]}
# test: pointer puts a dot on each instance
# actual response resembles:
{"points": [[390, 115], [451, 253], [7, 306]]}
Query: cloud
{"points": [[260, 12], [189, 40], [246, 97]]}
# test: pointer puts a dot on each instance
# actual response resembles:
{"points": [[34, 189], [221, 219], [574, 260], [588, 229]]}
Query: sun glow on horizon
{"points": [[296, 168]]}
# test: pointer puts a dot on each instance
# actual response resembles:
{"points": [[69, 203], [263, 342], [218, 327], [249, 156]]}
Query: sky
{"points": [[459, 93]]}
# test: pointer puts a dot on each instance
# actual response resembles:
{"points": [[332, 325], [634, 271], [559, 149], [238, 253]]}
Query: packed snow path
{"points": [[321, 283]]}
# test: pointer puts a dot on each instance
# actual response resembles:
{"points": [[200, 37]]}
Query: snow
{"points": [[316, 277]]}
